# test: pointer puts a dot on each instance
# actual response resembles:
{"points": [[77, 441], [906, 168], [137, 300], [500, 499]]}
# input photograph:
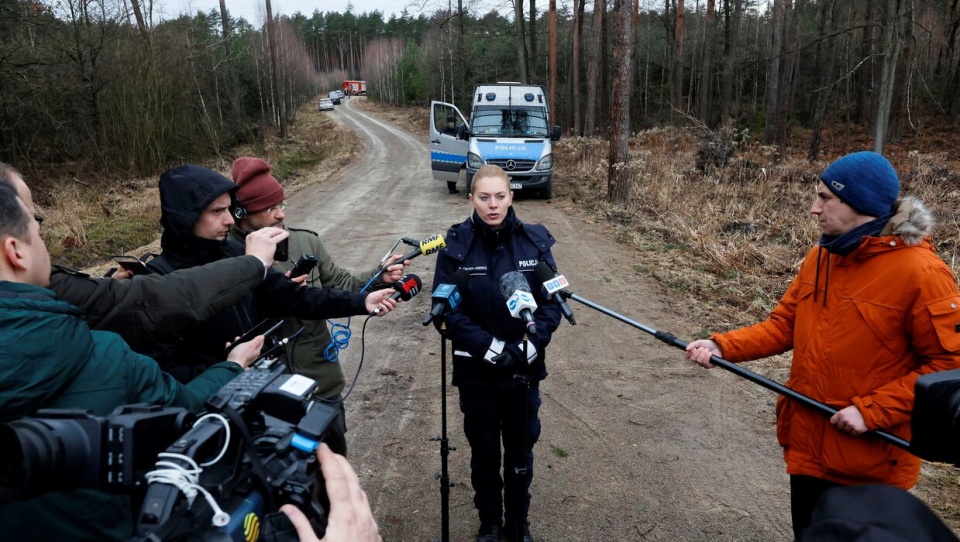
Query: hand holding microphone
{"points": [[520, 302], [407, 287]]}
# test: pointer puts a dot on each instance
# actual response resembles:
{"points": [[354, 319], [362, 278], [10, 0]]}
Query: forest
{"points": [[109, 86]]}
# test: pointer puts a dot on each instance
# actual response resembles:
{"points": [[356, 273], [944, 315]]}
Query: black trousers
{"points": [[488, 416], [805, 491]]}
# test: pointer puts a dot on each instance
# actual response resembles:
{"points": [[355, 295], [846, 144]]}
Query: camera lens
{"points": [[39, 455]]}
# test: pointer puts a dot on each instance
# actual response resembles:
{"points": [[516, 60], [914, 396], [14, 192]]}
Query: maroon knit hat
{"points": [[258, 189]]}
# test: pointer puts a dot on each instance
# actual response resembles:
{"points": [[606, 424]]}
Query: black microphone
{"points": [[407, 287], [553, 282], [447, 297], [520, 302]]}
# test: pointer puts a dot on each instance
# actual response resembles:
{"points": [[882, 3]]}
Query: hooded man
{"points": [[872, 308], [197, 211]]}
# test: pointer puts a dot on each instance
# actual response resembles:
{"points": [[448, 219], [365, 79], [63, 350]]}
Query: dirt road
{"points": [[637, 443]]}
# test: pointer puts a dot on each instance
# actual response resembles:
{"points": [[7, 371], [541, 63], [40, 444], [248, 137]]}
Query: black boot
{"points": [[510, 533], [489, 532], [452, 187]]}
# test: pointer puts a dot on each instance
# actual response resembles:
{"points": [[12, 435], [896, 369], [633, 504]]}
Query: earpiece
{"points": [[237, 209]]}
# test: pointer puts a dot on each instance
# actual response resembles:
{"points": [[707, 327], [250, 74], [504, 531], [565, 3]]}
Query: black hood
{"points": [[185, 191]]}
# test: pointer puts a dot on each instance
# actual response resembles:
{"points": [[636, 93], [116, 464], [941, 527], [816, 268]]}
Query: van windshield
{"points": [[500, 121]]}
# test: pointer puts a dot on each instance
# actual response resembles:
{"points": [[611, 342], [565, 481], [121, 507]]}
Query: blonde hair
{"points": [[489, 170]]}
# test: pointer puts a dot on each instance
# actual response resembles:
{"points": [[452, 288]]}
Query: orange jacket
{"points": [[863, 327]]}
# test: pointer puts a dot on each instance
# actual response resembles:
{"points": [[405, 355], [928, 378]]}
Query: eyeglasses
{"points": [[278, 207]]}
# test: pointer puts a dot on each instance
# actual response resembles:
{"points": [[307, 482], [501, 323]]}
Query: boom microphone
{"points": [[446, 297], [407, 287], [427, 246], [553, 282], [516, 290]]}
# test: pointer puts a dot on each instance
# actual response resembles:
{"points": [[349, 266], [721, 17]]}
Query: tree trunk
{"points": [[274, 68], [521, 47], [773, 76], [831, 15], [553, 61], [461, 66], [731, 46], [892, 44], [577, 31], [138, 13], [593, 68], [704, 97], [679, 31], [532, 61], [618, 172], [865, 74], [788, 74], [225, 24]]}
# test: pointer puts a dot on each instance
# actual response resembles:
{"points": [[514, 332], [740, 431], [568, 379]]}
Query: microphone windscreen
{"points": [[511, 282], [543, 273], [432, 244], [408, 286]]}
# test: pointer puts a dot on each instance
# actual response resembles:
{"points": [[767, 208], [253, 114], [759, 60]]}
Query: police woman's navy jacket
{"points": [[487, 254]]}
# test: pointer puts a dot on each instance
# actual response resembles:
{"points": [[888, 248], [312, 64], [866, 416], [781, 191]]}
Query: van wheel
{"points": [[548, 191], [466, 181]]}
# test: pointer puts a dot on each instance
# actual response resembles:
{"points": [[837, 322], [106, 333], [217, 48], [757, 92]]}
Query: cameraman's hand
{"points": [[350, 518], [263, 243], [380, 302], [244, 354]]}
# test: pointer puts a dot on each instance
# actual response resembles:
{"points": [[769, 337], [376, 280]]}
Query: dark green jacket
{"points": [[150, 308], [309, 353], [51, 359]]}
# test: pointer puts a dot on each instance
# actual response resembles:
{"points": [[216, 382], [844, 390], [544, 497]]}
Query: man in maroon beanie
{"points": [[313, 354]]}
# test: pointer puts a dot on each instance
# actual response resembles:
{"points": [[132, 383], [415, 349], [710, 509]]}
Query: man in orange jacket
{"points": [[872, 308]]}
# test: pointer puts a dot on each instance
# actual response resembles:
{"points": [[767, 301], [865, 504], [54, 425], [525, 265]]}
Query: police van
{"points": [[509, 126]]}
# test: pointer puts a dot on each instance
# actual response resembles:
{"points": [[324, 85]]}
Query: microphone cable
{"points": [[340, 333], [356, 376]]}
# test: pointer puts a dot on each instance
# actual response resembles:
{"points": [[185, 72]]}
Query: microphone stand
{"points": [[520, 469], [672, 340], [445, 447]]}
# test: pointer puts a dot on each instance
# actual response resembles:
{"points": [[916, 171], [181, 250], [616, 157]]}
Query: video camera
{"points": [[223, 476]]}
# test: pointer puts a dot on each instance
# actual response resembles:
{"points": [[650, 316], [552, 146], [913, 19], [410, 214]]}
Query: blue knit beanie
{"points": [[865, 181]]}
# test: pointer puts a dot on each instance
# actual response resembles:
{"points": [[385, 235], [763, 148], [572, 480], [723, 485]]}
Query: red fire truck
{"points": [[355, 88]]}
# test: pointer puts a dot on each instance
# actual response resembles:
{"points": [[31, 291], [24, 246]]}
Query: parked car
{"points": [[334, 97], [326, 104]]}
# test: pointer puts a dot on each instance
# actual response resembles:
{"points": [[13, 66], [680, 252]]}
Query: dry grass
{"points": [[88, 220]]}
